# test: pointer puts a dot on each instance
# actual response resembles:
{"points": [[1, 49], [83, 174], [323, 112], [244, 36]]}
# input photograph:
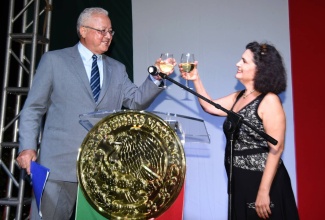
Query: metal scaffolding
{"points": [[28, 37]]}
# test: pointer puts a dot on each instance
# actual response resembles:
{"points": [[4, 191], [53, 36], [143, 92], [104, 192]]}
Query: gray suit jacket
{"points": [[61, 90]]}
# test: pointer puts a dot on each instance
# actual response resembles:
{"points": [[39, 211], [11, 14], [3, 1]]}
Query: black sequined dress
{"points": [[250, 152]]}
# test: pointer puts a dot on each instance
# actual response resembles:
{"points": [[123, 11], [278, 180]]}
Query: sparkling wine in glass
{"points": [[166, 64], [187, 61]]}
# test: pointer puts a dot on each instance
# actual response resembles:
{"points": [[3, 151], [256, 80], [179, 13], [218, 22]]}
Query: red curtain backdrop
{"points": [[307, 33]]}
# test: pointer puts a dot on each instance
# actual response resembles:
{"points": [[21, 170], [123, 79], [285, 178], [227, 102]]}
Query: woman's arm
{"points": [[274, 122]]}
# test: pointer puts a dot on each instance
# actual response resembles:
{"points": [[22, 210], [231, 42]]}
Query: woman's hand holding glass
{"points": [[187, 64], [189, 74]]}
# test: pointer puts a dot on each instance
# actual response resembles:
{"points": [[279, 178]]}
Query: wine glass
{"points": [[187, 62], [166, 64]]}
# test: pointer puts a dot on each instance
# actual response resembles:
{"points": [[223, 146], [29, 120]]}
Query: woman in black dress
{"points": [[261, 184]]}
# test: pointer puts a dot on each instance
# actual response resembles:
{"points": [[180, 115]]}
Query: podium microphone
{"points": [[154, 71]]}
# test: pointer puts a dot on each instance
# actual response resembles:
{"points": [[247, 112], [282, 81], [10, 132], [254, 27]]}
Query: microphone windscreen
{"points": [[153, 70]]}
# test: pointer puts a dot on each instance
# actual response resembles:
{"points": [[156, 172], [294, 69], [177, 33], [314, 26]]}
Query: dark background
{"points": [[3, 34], [63, 27]]}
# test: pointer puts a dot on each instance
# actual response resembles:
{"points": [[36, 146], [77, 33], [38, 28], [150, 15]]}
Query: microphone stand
{"points": [[235, 120]]}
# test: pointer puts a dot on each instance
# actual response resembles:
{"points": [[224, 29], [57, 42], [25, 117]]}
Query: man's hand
{"points": [[157, 64], [24, 159]]}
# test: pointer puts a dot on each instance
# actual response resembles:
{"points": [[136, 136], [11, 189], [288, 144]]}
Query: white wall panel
{"points": [[216, 31]]}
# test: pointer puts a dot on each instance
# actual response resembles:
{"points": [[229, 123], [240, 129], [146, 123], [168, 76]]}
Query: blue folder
{"points": [[39, 175]]}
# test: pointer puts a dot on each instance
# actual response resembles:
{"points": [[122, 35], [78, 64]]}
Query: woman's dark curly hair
{"points": [[270, 71]]}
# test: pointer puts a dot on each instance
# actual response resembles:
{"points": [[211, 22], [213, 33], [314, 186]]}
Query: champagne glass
{"points": [[187, 61], [166, 64]]}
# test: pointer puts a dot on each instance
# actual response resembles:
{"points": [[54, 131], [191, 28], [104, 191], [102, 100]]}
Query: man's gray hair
{"points": [[86, 15]]}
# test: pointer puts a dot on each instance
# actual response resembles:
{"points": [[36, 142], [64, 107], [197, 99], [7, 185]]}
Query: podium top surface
{"points": [[189, 129]]}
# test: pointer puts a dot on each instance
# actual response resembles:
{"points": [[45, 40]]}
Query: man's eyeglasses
{"points": [[102, 32]]}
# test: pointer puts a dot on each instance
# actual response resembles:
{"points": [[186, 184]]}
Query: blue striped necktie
{"points": [[94, 79]]}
